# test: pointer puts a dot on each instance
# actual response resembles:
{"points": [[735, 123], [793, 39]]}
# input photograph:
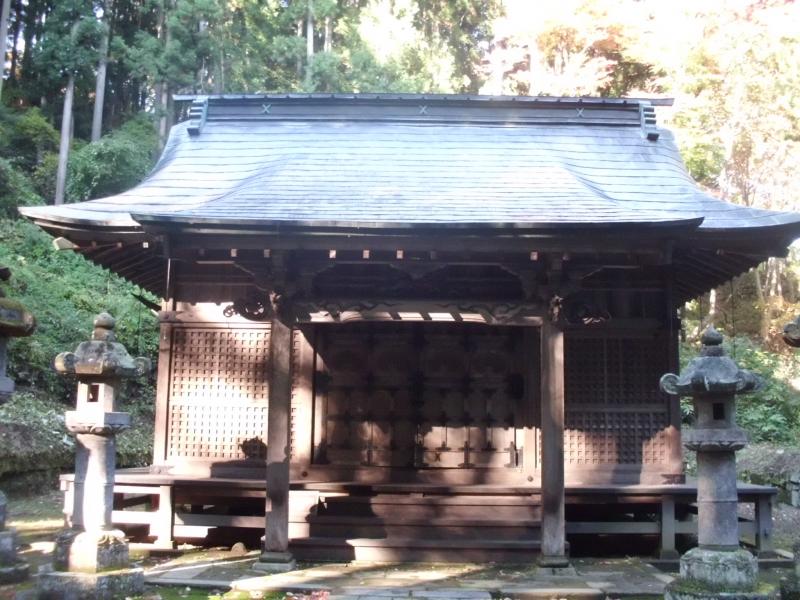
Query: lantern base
{"points": [[719, 574], [122, 583], [90, 552]]}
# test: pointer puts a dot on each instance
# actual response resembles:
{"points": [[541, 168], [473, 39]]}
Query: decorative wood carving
{"points": [[341, 311], [251, 308]]}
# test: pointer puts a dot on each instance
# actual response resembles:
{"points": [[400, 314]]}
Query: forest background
{"points": [[87, 105]]}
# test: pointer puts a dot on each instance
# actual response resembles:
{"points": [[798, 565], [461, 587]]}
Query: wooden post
{"points": [[763, 518], [275, 556], [668, 550], [163, 526], [552, 402]]}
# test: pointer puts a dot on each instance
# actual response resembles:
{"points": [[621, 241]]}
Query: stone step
{"points": [[439, 528], [410, 549]]}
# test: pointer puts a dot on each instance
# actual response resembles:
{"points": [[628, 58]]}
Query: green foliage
{"points": [[65, 292], [15, 190], [34, 437], [113, 164], [43, 177], [31, 137], [70, 41], [462, 26], [704, 161]]}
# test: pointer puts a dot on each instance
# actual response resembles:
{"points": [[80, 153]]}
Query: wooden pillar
{"points": [[552, 402], [668, 528], [275, 556], [763, 518], [164, 522]]}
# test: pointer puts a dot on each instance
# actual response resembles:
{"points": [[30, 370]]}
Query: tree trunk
{"points": [[63, 150], [299, 58], [100, 86], [161, 87], [310, 33], [328, 44], [163, 121], [712, 308], [762, 303], [12, 72], [4, 12]]}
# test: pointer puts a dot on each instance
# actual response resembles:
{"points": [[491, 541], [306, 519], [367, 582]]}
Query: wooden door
{"points": [[421, 396]]}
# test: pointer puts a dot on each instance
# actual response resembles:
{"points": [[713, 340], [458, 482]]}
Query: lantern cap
{"points": [[713, 372], [102, 357]]}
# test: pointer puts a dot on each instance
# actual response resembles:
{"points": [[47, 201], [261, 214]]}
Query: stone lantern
{"points": [[91, 559], [15, 321], [712, 380]]}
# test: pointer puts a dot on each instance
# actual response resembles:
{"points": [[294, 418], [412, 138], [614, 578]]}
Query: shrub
{"points": [[65, 292], [113, 164], [15, 190]]}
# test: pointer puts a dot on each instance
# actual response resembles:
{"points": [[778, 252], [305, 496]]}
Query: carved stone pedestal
{"points": [[90, 551]]}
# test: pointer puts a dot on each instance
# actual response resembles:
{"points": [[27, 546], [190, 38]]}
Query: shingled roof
{"points": [[416, 163]]}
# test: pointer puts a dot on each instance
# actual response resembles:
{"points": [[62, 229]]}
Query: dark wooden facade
{"points": [[441, 329]]}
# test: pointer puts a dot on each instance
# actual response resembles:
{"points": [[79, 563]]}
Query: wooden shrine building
{"points": [[440, 321]]}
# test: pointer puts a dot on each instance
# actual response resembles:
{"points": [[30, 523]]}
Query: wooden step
{"points": [[421, 507], [435, 499], [409, 549], [440, 528]]}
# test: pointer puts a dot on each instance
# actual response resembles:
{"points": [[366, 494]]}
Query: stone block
{"points": [[681, 590], [90, 552], [59, 585], [8, 547], [14, 573], [3, 510], [721, 570], [275, 562]]}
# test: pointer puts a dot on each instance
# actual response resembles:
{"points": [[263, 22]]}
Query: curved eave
{"points": [[50, 220], [772, 239], [327, 226]]}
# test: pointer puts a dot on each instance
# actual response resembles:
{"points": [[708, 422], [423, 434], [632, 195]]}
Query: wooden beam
{"points": [[552, 402], [353, 310], [257, 239], [275, 556]]}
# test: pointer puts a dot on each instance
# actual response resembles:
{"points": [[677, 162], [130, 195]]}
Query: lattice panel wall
{"points": [[614, 411], [218, 393]]}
